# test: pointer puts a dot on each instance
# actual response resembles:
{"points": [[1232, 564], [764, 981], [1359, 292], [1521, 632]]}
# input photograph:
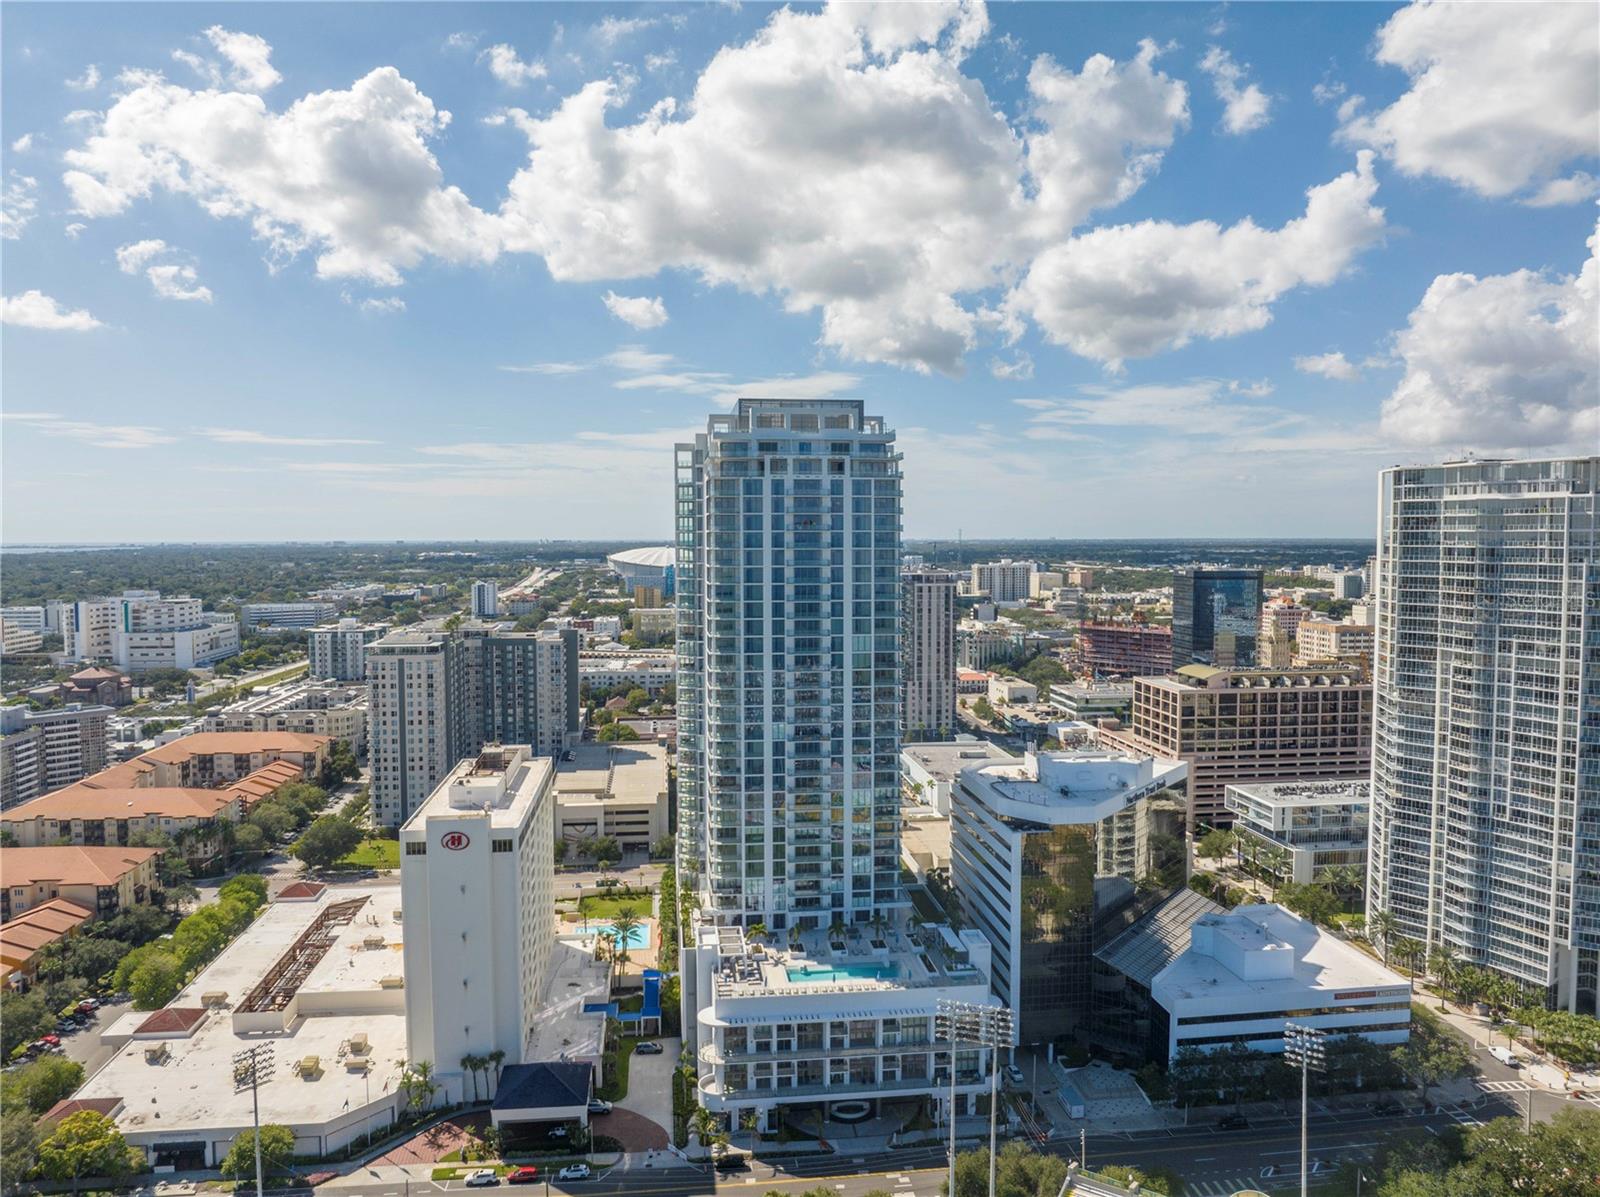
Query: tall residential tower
{"points": [[1485, 825], [928, 654], [788, 557]]}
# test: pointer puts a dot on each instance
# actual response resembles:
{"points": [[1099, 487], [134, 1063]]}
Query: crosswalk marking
{"points": [[1504, 1086]]}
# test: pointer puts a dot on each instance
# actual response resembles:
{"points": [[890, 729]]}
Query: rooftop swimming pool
{"points": [[817, 973]]}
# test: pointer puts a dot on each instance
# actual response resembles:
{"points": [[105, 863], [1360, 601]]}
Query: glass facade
{"points": [[1216, 615], [1047, 895], [788, 526], [1486, 754]]}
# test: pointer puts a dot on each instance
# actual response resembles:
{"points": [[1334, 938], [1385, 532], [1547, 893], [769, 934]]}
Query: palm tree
{"points": [[1385, 925], [1442, 965], [470, 1064], [1407, 950], [837, 928], [703, 1125], [756, 932], [416, 1081], [623, 924], [749, 1120], [794, 935], [496, 1059], [879, 923], [1275, 860]]}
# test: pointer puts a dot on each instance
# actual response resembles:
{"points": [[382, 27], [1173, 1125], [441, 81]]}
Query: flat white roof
{"points": [[192, 1089], [1321, 961], [1071, 787], [944, 760], [1307, 793], [476, 787]]}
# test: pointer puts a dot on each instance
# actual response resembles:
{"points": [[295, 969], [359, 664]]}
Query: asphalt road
{"points": [[635, 871], [1212, 1162]]}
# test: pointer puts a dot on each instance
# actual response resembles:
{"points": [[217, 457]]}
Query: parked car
{"points": [[1014, 1074], [525, 1175], [1387, 1105], [609, 882], [649, 1048], [1233, 1122], [598, 1106], [559, 1132], [66, 1027], [732, 1163], [1506, 1056], [480, 1178], [50, 1040], [88, 1005], [574, 1172]]}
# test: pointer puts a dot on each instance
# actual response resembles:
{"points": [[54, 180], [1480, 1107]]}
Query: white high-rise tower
{"points": [[788, 662], [1485, 827]]}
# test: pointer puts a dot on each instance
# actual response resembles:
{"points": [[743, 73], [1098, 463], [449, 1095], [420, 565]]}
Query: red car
{"points": [[52, 1040], [522, 1176]]}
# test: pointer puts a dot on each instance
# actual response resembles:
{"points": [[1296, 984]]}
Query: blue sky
{"points": [[1118, 270]]}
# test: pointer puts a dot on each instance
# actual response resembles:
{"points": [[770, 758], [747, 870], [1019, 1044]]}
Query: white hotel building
{"points": [[789, 690], [477, 883]]}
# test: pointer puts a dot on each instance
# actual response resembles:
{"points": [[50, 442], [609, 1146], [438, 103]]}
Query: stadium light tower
{"points": [[1302, 1045], [968, 1024]]}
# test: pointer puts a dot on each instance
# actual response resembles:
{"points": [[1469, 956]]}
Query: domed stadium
{"points": [[650, 567]]}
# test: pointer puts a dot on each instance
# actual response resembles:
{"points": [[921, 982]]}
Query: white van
{"points": [[1505, 1056]]}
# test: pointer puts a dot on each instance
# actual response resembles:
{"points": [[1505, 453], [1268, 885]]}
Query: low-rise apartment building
{"points": [[336, 710], [24, 937], [619, 790], [650, 674], [102, 880], [1251, 725], [1320, 824]]}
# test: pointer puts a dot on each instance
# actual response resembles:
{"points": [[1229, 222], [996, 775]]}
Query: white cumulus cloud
{"points": [[1245, 106], [1502, 96], [1129, 291], [249, 58], [88, 81], [169, 280], [1329, 365], [640, 311], [1504, 361], [22, 144], [505, 66], [35, 309], [346, 175]]}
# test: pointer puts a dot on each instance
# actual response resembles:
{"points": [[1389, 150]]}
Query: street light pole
{"points": [[1302, 1045], [979, 1026], [250, 1067]]}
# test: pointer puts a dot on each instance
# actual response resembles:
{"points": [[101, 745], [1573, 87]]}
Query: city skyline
{"points": [[1326, 237]]}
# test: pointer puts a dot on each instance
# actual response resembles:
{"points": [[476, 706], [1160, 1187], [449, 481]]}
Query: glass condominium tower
{"points": [[1485, 823], [788, 536]]}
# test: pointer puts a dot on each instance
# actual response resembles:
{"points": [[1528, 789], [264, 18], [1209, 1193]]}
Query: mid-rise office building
{"points": [[485, 600], [1092, 701], [15, 638], [617, 790], [287, 615], [980, 644], [1282, 614], [477, 884], [1251, 725], [1486, 762], [1004, 581], [1052, 856], [1216, 616], [338, 652], [1125, 649], [1251, 971], [1318, 824], [438, 694], [928, 654], [1332, 640], [42, 751], [1348, 585]]}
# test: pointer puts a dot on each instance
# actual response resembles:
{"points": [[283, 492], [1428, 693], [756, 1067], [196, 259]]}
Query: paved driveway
{"points": [[644, 1118]]}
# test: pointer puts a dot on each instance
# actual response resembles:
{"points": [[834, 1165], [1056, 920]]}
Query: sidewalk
{"points": [[1536, 1069]]}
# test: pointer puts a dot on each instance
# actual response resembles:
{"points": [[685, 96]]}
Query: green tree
{"points": [[1314, 902], [327, 841], [273, 820], [606, 850], [623, 924], [1216, 844], [19, 1147], [249, 839], [616, 733], [39, 1085], [417, 1083], [156, 981], [23, 1018], [636, 700], [277, 1149], [85, 1144]]}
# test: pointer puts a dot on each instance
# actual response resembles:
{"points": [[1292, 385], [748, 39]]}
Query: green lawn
{"points": [[622, 1055], [597, 906], [373, 854]]}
